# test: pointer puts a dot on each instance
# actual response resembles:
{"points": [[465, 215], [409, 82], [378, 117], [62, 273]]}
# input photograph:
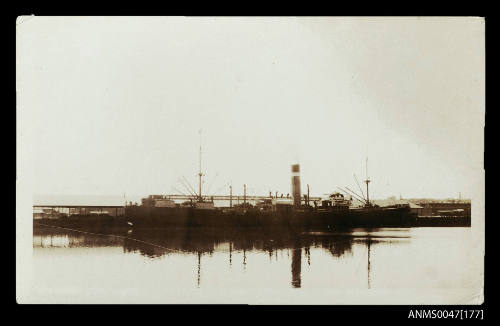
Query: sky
{"points": [[107, 106]]}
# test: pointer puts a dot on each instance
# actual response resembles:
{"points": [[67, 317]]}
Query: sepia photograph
{"points": [[250, 160]]}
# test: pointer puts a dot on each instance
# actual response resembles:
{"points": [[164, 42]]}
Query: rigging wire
{"points": [[186, 187], [189, 184], [360, 189]]}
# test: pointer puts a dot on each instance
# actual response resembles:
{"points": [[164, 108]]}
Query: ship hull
{"points": [[382, 217], [140, 216]]}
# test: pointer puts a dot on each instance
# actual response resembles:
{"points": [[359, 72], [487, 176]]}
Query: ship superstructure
{"points": [[278, 210]]}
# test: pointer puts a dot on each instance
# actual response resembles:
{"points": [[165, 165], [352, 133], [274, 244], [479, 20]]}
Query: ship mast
{"points": [[200, 174], [367, 181]]}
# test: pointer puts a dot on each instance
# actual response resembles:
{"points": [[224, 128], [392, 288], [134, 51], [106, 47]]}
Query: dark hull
{"points": [[188, 217], [382, 217]]}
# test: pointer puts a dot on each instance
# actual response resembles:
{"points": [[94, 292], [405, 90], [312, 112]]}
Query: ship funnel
{"points": [[296, 185]]}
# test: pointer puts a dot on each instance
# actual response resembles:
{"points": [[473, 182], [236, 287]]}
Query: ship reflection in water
{"points": [[204, 257]]}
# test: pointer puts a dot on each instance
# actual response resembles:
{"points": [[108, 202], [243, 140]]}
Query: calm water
{"points": [[163, 265]]}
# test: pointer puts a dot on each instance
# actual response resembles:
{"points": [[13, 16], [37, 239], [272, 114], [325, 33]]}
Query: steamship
{"points": [[335, 211]]}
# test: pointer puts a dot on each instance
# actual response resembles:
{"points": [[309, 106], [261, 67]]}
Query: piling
{"points": [[296, 185]]}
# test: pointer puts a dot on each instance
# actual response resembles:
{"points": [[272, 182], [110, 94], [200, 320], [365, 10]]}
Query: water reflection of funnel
{"points": [[296, 266]]}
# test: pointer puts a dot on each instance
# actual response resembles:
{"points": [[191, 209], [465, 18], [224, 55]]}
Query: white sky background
{"points": [[108, 106]]}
